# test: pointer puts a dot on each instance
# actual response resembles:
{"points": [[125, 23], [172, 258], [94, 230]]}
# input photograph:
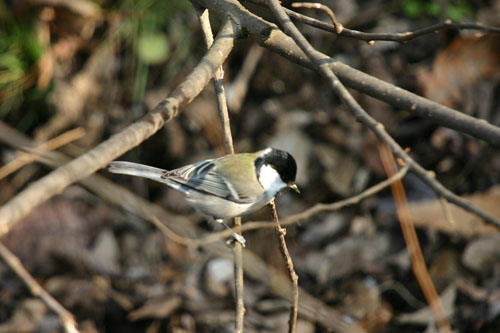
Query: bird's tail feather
{"points": [[140, 170]]}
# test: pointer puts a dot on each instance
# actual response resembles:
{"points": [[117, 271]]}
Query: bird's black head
{"points": [[281, 161]]}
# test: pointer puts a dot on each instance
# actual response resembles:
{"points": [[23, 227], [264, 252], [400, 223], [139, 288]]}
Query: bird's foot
{"points": [[235, 237]]}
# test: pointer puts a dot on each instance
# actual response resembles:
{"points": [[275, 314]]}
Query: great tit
{"points": [[227, 186]]}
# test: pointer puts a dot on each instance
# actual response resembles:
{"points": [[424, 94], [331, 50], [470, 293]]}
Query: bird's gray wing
{"points": [[203, 177]]}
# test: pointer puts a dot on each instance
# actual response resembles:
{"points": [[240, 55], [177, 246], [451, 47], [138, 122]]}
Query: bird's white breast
{"points": [[270, 180]]}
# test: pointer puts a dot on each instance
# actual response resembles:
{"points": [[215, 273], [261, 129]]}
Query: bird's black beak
{"points": [[294, 187]]}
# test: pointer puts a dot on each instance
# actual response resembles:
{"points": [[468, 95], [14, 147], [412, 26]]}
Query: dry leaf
{"points": [[430, 214], [459, 67]]}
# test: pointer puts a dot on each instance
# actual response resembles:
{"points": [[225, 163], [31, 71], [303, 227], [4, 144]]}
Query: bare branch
{"points": [[315, 5], [280, 232], [25, 158], [269, 36], [218, 82], [85, 165], [306, 215], [399, 37], [65, 317], [408, 229], [228, 143], [238, 281]]}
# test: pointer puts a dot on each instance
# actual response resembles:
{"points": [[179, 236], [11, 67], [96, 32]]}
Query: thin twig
{"points": [[306, 215], [237, 90], [65, 317], [447, 211], [25, 158], [315, 5], [229, 147], [218, 82], [412, 243], [172, 235], [280, 232], [321, 63], [399, 37], [238, 280]]}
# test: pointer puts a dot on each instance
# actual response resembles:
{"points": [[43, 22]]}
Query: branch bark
{"points": [[271, 37], [280, 233], [229, 147], [83, 166]]}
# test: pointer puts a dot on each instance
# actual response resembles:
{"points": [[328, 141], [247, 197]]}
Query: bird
{"points": [[225, 187]]}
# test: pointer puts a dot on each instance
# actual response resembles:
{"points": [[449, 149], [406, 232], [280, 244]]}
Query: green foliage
{"points": [[455, 10], [152, 31], [20, 49], [152, 35], [152, 48]]}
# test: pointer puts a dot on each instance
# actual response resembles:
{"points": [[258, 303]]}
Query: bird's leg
{"points": [[237, 237]]}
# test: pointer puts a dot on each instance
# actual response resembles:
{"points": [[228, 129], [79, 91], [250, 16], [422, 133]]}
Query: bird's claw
{"points": [[236, 238]]}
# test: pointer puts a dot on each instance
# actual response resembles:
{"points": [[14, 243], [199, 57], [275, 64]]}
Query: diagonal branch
{"points": [[269, 36], [83, 166], [65, 317], [306, 215]]}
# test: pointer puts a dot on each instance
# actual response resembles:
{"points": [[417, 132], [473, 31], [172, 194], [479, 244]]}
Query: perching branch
{"points": [[83, 166], [280, 232], [307, 214], [229, 147]]}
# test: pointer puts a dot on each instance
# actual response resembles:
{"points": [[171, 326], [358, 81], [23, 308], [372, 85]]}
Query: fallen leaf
{"points": [[430, 214], [464, 62]]}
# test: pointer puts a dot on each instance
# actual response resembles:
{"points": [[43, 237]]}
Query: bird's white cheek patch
{"points": [[270, 179]]}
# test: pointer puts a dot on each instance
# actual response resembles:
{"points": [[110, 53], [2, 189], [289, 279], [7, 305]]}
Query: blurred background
{"points": [[97, 66]]}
